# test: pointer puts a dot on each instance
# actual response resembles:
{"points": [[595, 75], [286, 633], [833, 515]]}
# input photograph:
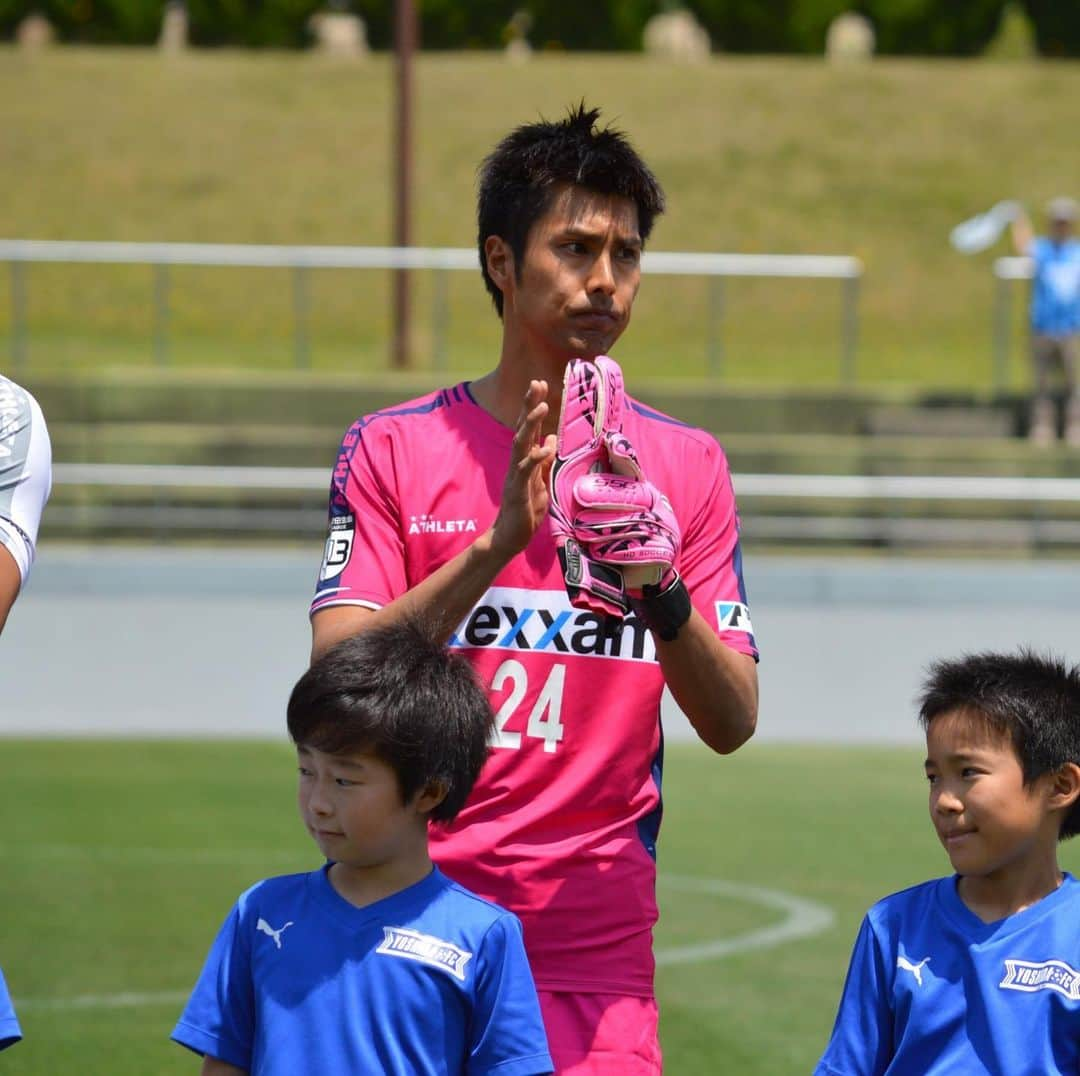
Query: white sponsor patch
{"points": [[425, 949], [510, 618], [1029, 976], [733, 616], [339, 544]]}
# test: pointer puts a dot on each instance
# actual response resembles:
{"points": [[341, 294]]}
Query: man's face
{"points": [[572, 295]]}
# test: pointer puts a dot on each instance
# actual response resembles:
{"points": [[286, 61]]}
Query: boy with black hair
{"points": [[376, 962], [441, 506], [980, 972]]}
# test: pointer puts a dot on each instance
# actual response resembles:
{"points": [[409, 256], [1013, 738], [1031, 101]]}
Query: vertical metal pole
{"points": [[405, 43], [18, 315], [440, 319], [1002, 332], [301, 305], [850, 331], [715, 321], [161, 315]]}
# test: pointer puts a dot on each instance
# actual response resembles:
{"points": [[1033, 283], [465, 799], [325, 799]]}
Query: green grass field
{"points": [[757, 154], [121, 859]]}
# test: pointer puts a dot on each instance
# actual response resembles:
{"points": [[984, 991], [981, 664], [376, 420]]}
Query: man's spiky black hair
{"points": [[521, 176]]}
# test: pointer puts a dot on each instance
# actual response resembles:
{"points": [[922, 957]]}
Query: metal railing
{"points": [[1023, 507], [300, 259], [809, 486]]}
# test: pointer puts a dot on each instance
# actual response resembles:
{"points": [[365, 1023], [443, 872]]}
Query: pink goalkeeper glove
{"points": [[612, 527], [624, 521]]}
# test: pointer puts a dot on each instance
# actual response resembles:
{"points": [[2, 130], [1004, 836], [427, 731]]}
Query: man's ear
{"points": [[499, 259], [1065, 786], [430, 796]]}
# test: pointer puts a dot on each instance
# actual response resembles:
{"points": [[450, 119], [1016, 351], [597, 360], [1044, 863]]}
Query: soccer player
{"points": [[980, 971], [376, 962], [25, 483], [440, 505]]}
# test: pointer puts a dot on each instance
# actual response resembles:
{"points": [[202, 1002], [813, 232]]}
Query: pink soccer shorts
{"points": [[602, 1034]]}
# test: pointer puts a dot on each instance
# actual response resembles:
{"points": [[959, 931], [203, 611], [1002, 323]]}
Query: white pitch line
{"points": [[804, 919]]}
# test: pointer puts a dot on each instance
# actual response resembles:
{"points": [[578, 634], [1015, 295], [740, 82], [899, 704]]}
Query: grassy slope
{"points": [[756, 155], [122, 858]]}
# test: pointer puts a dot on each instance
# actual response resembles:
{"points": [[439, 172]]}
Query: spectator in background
{"points": [[1055, 314], [25, 483]]}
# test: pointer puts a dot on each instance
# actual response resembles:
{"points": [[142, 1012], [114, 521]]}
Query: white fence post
{"points": [[1005, 270]]}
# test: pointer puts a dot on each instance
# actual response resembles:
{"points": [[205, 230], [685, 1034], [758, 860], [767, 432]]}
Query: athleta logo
{"points": [[430, 525], [1048, 975], [508, 618], [904, 964], [267, 929], [436, 953]]}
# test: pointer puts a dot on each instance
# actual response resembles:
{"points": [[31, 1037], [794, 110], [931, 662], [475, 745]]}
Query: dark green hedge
{"points": [[127, 22], [934, 27], [1057, 26], [905, 27]]}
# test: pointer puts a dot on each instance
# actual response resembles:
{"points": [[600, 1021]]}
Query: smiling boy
{"points": [[375, 962], [980, 972]]}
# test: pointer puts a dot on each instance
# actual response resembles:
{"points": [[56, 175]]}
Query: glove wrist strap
{"points": [[664, 608]]}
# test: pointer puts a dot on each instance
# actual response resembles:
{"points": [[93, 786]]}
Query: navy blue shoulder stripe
{"points": [[420, 409], [648, 412]]}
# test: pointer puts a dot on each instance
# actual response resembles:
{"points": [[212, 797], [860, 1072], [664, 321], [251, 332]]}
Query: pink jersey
{"points": [[562, 825]]}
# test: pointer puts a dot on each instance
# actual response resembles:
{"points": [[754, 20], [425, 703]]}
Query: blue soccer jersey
{"points": [[932, 989], [1055, 287], [432, 980], [10, 1032]]}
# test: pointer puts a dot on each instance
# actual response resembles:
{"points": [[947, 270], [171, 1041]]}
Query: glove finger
{"points": [[590, 527], [579, 444], [622, 455], [581, 413], [603, 490]]}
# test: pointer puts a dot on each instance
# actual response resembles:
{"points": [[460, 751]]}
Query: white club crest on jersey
{"points": [[425, 949], [264, 927], [1029, 976], [904, 964]]}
